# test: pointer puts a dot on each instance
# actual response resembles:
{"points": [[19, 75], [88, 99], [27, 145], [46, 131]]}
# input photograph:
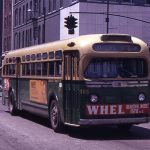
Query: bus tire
{"points": [[11, 104], [55, 119]]}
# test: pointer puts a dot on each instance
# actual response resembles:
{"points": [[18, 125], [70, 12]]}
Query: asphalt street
{"points": [[31, 132]]}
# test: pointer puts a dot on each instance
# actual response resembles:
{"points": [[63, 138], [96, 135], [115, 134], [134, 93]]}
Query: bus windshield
{"points": [[112, 68]]}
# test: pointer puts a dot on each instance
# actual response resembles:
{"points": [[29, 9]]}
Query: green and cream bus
{"points": [[100, 79]]}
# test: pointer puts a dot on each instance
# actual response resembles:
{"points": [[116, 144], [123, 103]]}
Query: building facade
{"points": [[40, 21], [7, 25], [1, 25]]}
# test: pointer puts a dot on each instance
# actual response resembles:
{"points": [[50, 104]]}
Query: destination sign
{"points": [[116, 47]]}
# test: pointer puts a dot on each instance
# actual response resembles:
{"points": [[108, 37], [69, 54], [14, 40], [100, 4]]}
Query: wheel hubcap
{"points": [[10, 107], [54, 115]]}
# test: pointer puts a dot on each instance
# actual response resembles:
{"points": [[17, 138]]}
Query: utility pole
{"points": [[107, 17]]}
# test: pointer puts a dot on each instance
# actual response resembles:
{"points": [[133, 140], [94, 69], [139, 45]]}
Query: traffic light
{"points": [[70, 23]]}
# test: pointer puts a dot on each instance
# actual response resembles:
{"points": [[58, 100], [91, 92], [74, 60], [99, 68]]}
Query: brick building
{"points": [[7, 25]]}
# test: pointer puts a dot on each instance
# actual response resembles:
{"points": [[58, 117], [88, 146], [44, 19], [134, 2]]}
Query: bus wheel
{"points": [[125, 127], [11, 104], [55, 119]]}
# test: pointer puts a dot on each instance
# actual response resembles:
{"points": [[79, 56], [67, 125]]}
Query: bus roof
{"points": [[73, 44]]}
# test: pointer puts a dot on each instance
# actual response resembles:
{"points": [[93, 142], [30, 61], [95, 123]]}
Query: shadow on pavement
{"points": [[110, 133], [94, 133], [34, 118]]}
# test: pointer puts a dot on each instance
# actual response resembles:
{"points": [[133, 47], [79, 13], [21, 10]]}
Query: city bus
{"points": [[90, 80]]}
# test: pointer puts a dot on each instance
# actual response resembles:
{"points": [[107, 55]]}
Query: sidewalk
{"points": [[3, 107]]}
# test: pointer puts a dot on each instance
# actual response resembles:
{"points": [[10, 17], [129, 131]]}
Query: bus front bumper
{"points": [[114, 121]]}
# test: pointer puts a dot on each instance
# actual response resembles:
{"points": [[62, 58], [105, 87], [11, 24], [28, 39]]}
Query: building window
{"points": [[39, 34], [30, 36], [31, 5], [26, 37], [10, 5], [9, 45], [26, 11], [16, 17], [35, 5], [54, 5], [19, 40], [5, 23], [16, 40], [5, 43], [23, 39], [61, 3], [43, 33], [23, 17], [40, 8], [9, 21], [19, 16], [50, 6]]}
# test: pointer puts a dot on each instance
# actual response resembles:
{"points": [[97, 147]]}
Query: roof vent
{"points": [[114, 37]]}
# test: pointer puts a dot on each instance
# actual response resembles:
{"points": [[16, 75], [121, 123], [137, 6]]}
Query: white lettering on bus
{"points": [[104, 109], [135, 106], [120, 109], [113, 109], [144, 106], [92, 110], [116, 109]]}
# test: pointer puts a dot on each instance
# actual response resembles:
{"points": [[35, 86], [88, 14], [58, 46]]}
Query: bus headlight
{"points": [[94, 98], [141, 97]]}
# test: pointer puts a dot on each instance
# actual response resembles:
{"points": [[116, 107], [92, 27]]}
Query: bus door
{"points": [[18, 65], [70, 76]]}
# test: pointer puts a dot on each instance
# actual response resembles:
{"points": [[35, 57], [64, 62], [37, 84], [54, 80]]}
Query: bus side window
{"points": [[44, 68], [7, 69], [4, 70], [38, 69], [13, 69], [23, 69], [32, 68], [58, 68], [51, 68], [28, 69]]}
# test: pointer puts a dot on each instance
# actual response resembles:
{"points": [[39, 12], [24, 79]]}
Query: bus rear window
{"points": [[112, 68]]}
